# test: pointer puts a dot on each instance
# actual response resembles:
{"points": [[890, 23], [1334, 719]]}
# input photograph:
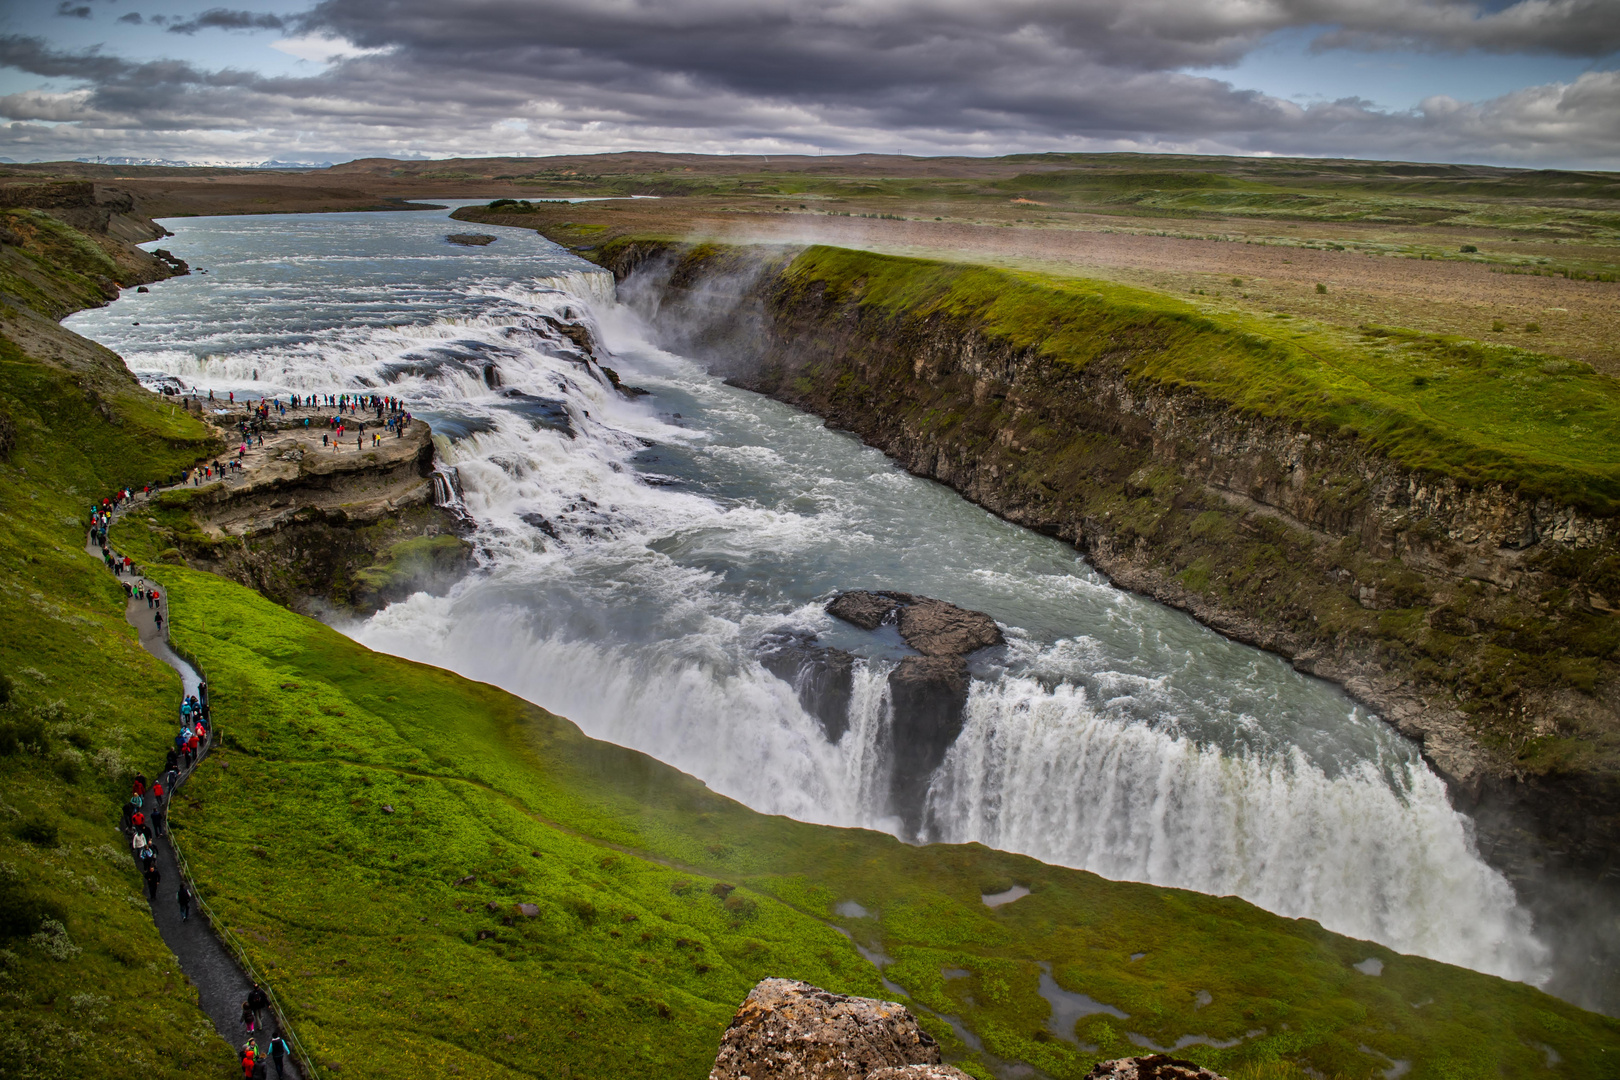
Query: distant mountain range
{"points": [[205, 164]]}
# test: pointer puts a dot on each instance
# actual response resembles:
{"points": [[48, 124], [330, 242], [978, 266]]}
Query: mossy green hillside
{"points": [[87, 708], [1476, 412], [370, 824]]}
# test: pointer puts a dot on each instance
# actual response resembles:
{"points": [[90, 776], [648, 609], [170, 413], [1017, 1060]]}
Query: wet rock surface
{"points": [[867, 610], [928, 692], [823, 677], [789, 1030], [932, 627], [1152, 1067]]}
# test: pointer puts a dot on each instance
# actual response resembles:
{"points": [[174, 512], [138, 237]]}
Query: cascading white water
{"points": [[634, 554]]}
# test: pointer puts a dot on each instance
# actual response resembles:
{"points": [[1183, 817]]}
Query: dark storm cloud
{"points": [[133, 18], [225, 19], [73, 11], [550, 76]]}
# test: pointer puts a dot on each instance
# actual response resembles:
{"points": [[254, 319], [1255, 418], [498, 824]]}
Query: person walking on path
{"points": [[258, 1001], [278, 1054], [248, 1020], [183, 898], [154, 877]]}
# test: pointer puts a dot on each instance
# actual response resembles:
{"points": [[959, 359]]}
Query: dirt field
{"points": [[1577, 319]]}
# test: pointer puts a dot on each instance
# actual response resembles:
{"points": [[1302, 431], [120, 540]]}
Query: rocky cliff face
{"points": [[309, 526], [1479, 621]]}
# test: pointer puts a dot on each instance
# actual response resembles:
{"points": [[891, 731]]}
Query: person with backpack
{"points": [[183, 898], [278, 1054], [248, 1020], [258, 1001], [154, 878]]}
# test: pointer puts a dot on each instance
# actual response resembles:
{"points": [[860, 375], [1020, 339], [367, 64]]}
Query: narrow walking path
{"points": [[207, 960]]}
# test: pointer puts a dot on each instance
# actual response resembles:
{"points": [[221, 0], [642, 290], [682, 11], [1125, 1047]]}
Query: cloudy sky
{"points": [[1532, 82]]}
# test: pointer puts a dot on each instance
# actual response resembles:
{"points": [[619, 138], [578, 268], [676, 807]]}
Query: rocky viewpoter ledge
{"points": [[303, 523]]}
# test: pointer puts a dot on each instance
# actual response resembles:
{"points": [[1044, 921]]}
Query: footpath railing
{"points": [[306, 1061]]}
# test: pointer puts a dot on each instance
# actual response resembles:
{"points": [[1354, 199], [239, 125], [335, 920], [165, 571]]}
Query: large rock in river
{"points": [[823, 677], [928, 692], [932, 627], [788, 1030]]}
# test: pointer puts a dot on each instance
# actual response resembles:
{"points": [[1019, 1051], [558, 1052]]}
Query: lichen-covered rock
{"points": [[1152, 1067], [919, 1072], [789, 1030], [935, 628]]}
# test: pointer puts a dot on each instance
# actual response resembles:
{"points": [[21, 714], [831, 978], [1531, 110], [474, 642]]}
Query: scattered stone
{"points": [[529, 911], [485, 935], [789, 1030], [388, 808], [471, 239], [468, 880], [142, 288], [919, 1072], [492, 906], [1152, 1067]]}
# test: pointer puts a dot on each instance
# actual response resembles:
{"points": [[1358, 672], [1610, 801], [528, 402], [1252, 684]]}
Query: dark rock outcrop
{"points": [[867, 610], [824, 678], [1151, 1067], [935, 628], [471, 239], [789, 1030], [932, 627], [928, 692]]}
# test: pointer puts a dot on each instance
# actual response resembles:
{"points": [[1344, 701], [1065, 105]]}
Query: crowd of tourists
{"points": [[145, 812]]}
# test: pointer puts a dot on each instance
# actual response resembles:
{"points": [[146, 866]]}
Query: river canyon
{"points": [[642, 560]]}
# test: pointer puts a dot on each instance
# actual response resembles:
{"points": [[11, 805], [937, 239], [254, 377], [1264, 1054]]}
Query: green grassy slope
{"points": [[1472, 411], [88, 708], [356, 793]]}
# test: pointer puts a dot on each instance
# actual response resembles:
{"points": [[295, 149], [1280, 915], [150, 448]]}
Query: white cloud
{"points": [[322, 50]]}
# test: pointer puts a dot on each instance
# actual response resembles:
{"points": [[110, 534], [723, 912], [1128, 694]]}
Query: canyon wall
{"points": [[1476, 618]]}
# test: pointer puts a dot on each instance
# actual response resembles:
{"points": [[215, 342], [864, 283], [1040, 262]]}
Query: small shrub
{"points": [[1532, 328], [1321, 289], [21, 914], [53, 938], [37, 830], [1498, 326], [1468, 249], [24, 734], [1237, 282]]}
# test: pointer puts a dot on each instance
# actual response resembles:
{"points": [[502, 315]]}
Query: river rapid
{"points": [[635, 555]]}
